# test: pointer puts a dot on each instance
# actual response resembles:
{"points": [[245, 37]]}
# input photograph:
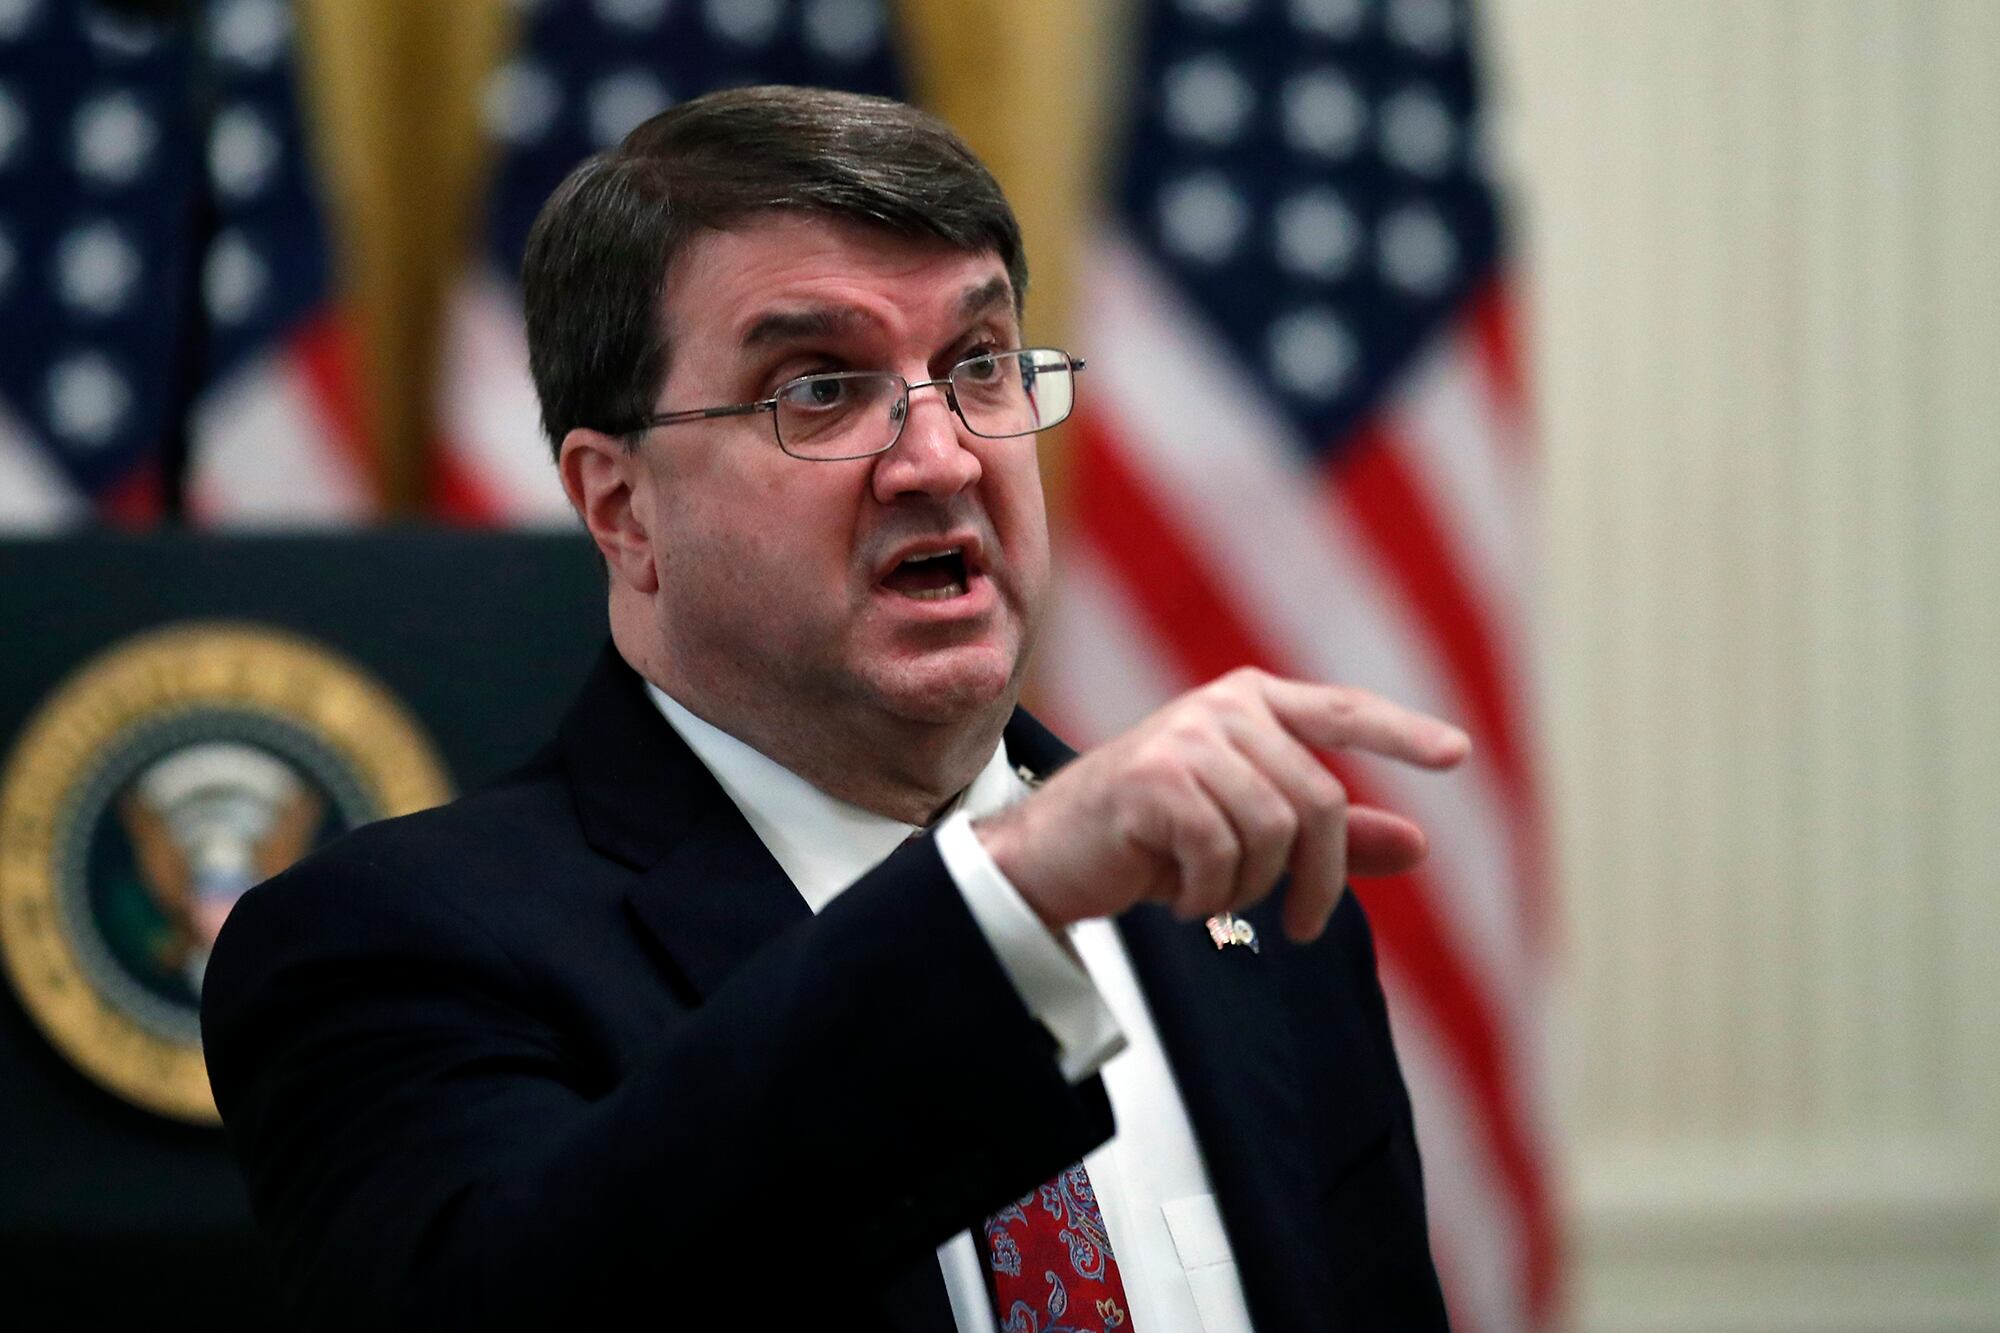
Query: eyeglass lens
{"points": [[851, 414]]}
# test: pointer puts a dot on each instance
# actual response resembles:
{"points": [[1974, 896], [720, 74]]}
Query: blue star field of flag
{"points": [[588, 71], [158, 223], [1312, 173]]}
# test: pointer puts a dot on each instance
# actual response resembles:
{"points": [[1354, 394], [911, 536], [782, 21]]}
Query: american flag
{"points": [[1302, 447], [584, 74], [163, 275]]}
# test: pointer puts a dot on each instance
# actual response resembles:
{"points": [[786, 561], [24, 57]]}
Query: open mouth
{"points": [[933, 576]]}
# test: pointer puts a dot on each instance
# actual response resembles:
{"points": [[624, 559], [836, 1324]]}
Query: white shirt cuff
{"points": [[1049, 978]]}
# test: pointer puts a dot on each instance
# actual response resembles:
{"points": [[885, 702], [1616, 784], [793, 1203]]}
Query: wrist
{"points": [[1000, 835]]}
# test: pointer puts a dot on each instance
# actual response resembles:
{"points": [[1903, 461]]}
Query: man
{"points": [[790, 987]]}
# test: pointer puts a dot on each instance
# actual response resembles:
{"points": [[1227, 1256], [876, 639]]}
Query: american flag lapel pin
{"points": [[1227, 928]]}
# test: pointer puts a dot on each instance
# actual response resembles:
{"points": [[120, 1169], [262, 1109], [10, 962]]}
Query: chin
{"points": [[951, 686]]}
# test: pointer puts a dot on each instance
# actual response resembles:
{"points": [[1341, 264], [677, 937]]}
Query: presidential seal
{"points": [[161, 781]]}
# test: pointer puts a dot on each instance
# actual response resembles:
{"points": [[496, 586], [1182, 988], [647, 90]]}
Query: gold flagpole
{"points": [[393, 89]]}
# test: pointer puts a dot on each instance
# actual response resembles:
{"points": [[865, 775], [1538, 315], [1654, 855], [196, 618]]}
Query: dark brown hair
{"points": [[598, 257]]}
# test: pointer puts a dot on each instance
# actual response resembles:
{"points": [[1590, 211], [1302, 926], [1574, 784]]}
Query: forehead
{"points": [[794, 273]]}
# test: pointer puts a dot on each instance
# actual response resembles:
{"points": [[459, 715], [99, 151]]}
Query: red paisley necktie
{"points": [[1049, 1264]]}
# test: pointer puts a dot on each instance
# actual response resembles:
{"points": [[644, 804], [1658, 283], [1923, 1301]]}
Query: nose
{"points": [[930, 457]]}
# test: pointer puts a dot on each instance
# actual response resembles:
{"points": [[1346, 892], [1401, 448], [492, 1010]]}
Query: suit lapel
{"points": [[713, 900], [1227, 1032], [709, 894]]}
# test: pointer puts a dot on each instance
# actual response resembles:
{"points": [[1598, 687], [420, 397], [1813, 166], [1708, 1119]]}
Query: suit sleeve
{"points": [[426, 1149], [1047, 975]]}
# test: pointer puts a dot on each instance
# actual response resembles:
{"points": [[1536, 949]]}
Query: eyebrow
{"points": [[783, 326], [980, 300], [780, 326]]}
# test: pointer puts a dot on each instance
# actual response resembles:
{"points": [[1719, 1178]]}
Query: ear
{"points": [[611, 490]]}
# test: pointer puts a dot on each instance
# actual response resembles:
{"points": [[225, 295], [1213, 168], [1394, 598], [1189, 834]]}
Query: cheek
{"points": [[1022, 517], [769, 548]]}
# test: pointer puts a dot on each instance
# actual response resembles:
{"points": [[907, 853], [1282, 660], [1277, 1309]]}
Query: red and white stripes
{"points": [[282, 442], [1203, 538], [492, 463]]}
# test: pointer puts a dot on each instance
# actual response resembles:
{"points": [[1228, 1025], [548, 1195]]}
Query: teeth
{"points": [[937, 555], [937, 594]]}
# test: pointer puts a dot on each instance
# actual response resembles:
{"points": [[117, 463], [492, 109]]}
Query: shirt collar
{"points": [[822, 843]]}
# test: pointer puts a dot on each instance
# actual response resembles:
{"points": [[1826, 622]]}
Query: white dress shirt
{"points": [[1149, 1177]]}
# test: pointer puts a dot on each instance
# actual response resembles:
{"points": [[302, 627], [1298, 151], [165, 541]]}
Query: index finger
{"points": [[1333, 717]]}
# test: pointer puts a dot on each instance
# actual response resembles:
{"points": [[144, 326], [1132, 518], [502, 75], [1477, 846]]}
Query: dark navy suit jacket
{"points": [[573, 1048]]}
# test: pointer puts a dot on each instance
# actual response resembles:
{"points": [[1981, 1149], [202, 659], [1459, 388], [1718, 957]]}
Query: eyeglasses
{"points": [[859, 413]]}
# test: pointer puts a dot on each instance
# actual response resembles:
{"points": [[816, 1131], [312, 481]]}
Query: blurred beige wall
{"points": [[1763, 244]]}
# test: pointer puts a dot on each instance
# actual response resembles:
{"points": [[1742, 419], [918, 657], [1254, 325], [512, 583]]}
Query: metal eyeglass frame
{"points": [[901, 416]]}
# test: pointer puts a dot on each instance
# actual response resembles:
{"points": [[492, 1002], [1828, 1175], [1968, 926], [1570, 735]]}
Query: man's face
{"points": [[784, 586]]}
